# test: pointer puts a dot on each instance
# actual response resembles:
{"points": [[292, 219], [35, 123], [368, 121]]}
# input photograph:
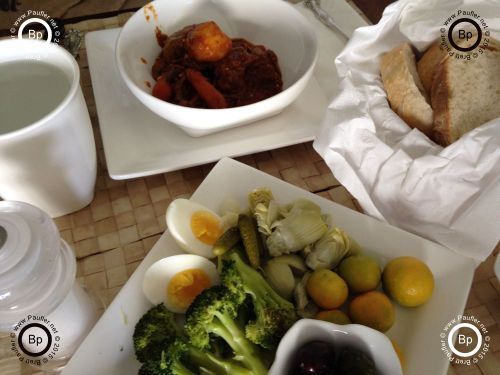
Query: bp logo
{"points": [[35, 340], [465, 35], [465, 340], [36, 24]]}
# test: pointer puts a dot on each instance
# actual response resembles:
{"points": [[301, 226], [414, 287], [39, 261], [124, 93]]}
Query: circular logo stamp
{"points": [[464, 35], [35, 340], [465, 340], [36, 24]]}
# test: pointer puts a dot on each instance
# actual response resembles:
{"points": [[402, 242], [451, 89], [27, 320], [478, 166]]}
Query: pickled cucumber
{"points": [[225, 242], [251, 239]]}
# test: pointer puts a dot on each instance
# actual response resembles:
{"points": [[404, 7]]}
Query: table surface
{"points": [[113, 234]]}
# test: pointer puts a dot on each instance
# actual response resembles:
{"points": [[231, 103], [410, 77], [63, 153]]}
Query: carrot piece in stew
{"points": [[206, 90], [162, 89]]}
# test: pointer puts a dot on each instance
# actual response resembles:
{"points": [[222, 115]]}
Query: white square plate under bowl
{"points": [[108, 349], [139, 143]]}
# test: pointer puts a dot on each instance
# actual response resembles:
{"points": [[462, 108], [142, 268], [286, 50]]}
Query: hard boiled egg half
{"points": [[194, 227], [178, 279]]}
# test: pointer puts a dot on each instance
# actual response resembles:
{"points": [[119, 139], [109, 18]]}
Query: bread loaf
{"points": [[466, 93], [428, 63], [405, 92]]}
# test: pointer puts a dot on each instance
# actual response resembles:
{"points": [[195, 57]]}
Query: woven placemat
{"points": [[114, 233]]}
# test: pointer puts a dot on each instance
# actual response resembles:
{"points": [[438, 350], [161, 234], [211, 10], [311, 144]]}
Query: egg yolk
{"points": [[186, 285], [205, 227]]}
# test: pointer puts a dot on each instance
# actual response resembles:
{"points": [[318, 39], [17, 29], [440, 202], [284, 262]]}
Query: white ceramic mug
{"points": [[47, 150]]}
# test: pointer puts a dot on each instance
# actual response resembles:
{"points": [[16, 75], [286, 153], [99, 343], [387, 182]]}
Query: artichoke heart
{"points": [[266, 216], [302, 225], [331, 248], [301, 204], [264, 209], [260, 196]]}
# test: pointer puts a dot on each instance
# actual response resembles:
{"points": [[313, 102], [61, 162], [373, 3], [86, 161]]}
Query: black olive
{"points": [[355, 362], [314, 358]]}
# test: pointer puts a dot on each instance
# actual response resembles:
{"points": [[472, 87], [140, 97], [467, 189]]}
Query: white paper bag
{"points": [[450, 195]]}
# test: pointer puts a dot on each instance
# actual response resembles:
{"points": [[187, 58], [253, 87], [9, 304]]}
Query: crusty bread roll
{"points": [[404, 89], [466, 94], [426, 66]]}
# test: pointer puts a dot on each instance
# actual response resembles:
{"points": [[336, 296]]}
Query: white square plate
{"points": [[139, 143], [109, 350]]}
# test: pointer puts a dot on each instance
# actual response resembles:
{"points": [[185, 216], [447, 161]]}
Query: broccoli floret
{"points": [[157, 367], [181, 358], [213, 314], [212, 363], [274, 315], [171, 362], [153, 333], [163, 349]]}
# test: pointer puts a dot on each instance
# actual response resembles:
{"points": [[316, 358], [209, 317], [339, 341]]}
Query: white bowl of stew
{"points": [[274, 24]]}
